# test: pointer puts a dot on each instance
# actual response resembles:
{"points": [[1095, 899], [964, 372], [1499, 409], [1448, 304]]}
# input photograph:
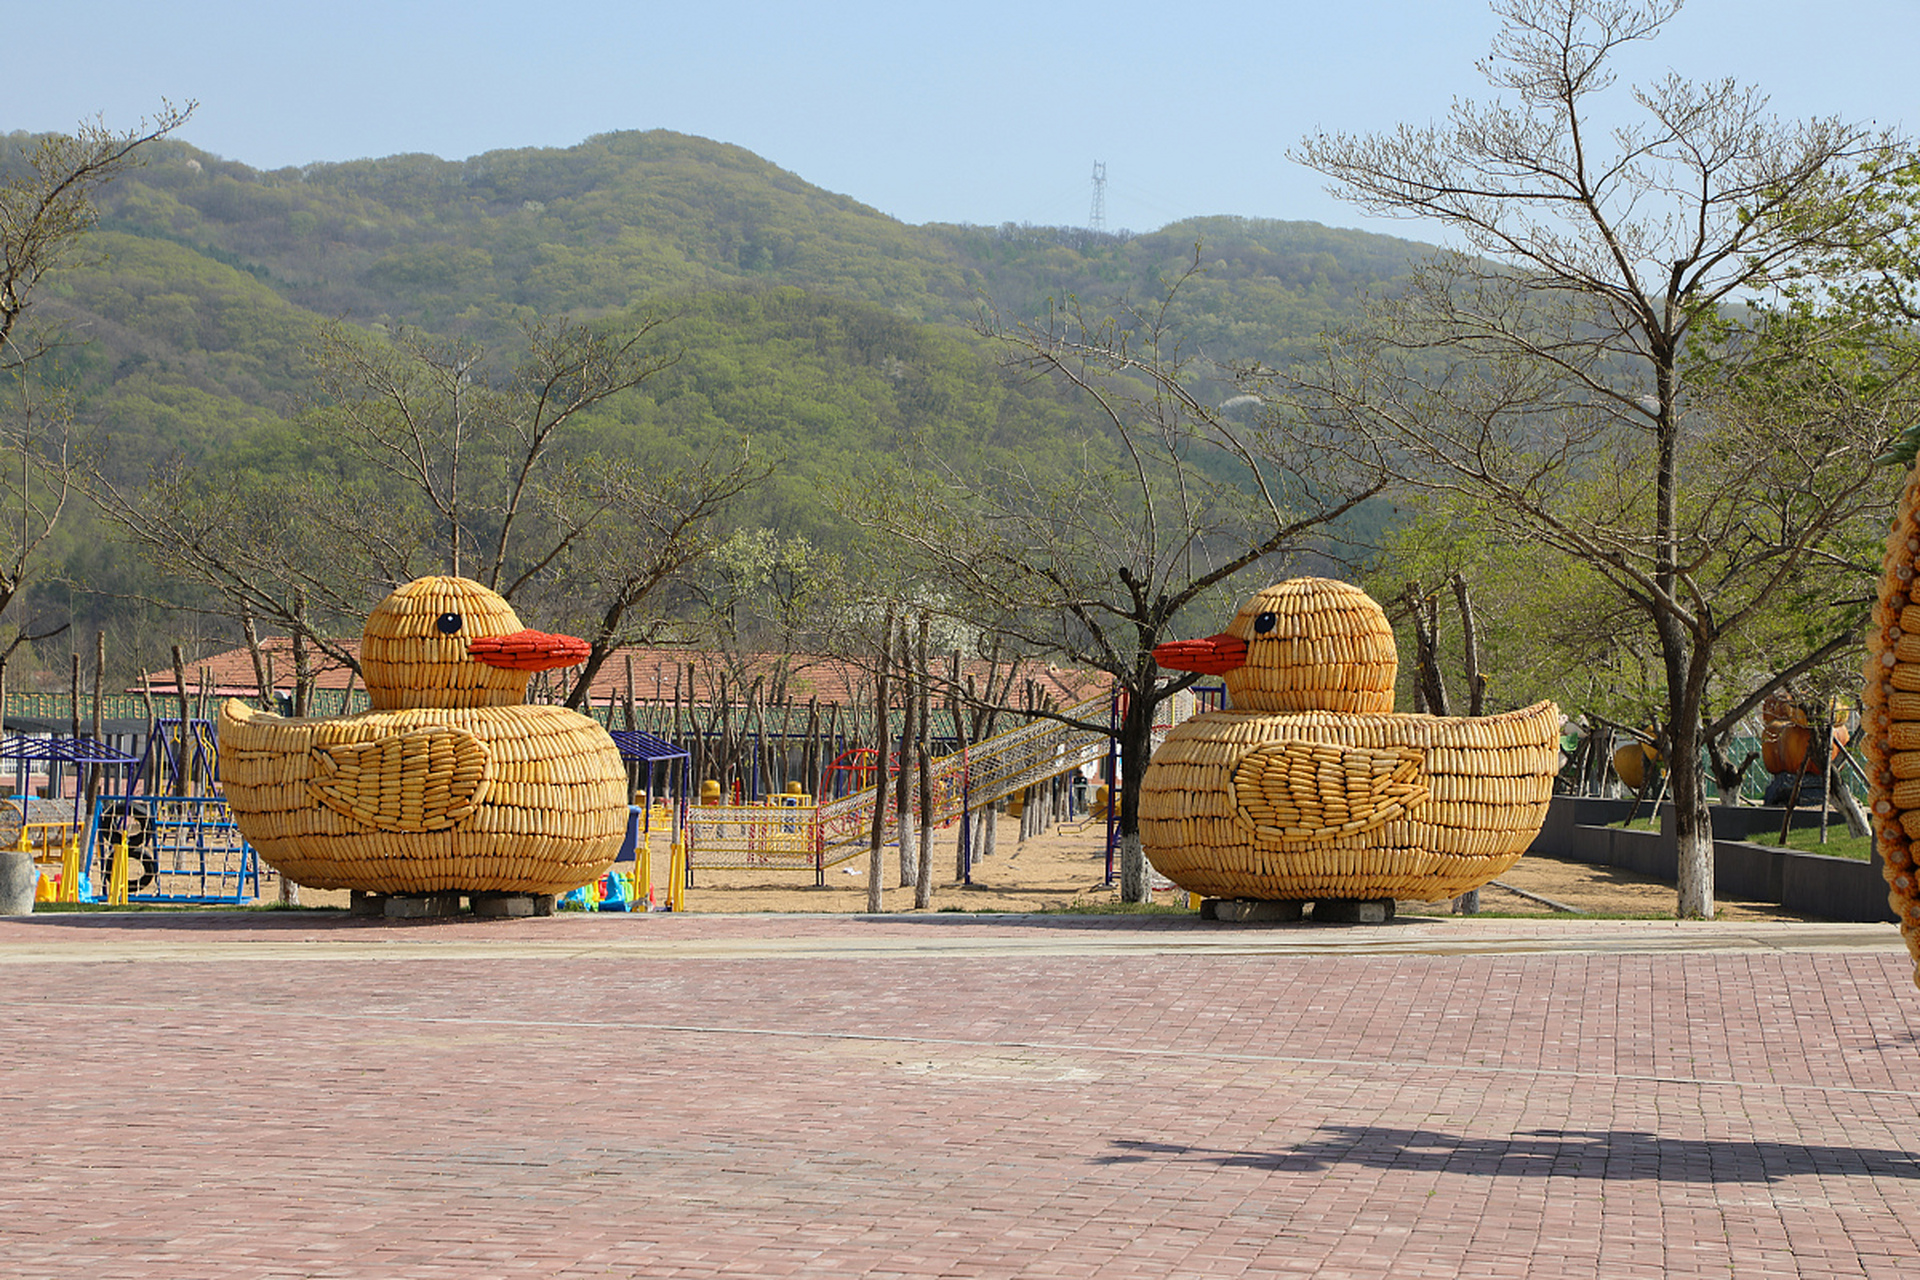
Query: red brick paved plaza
{"points": [[272, 1095]]}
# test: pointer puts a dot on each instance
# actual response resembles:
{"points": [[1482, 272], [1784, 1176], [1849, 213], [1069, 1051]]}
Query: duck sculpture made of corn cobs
{"points": [[1309, 788], [449, 782]]}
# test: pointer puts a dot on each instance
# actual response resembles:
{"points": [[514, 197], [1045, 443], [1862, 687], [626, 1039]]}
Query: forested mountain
{"points": [[812, 324]]}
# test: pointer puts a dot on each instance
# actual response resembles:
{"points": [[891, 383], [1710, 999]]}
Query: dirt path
{"points": [[1068, 866]]}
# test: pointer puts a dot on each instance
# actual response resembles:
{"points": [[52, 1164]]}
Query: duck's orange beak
{"points": [[1214, 656], [528, 651]]}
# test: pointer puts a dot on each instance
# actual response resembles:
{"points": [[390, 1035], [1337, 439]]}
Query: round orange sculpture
{"points": [[1310, 788], [450, 783], [1786, 736]]}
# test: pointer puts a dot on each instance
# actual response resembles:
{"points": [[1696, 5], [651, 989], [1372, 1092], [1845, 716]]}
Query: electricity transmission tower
{"points": [[1097, 216]]}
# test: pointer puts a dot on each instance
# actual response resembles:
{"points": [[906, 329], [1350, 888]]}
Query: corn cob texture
{"points": [[1890, 716], [411, 658], [450, 782], [516, 799], [1319, 804], [1326, 646]]}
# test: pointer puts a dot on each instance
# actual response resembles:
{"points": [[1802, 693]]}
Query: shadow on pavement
{"points": [[1561, 1153]]}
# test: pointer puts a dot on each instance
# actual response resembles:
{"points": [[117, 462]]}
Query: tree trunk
{"points": [[1136, 749], [923, 751], [1470, 645], [182, 781], [1429, 689], [903, 772], [1692, 821], [876, 864], [95, 772], [1845, 801], [252, 635]]}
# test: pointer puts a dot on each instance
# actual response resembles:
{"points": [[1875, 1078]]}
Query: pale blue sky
{"points": [[982, 112]]}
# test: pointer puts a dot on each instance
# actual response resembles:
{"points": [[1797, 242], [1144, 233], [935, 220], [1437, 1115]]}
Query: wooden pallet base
{"points": [[1267, 911]]}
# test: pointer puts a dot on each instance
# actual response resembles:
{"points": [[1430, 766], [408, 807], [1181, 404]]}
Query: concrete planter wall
{"points": [[1813, 884], [18, 876]]}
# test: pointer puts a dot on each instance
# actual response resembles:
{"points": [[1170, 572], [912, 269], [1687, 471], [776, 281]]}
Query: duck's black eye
{"points": [[1264, 623], [449, 623]]}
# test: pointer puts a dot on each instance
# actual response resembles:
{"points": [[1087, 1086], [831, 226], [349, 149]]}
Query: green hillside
{"points": [[822, 331]]}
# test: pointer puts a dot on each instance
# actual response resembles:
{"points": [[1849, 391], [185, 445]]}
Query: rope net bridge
{"points": [[790, 832]]}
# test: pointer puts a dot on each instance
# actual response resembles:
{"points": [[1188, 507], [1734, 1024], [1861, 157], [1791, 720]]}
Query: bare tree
{"points": [[432, 464], [46, 211], [473, 450], [1548, 368], [641, 531], [1098, 559]]}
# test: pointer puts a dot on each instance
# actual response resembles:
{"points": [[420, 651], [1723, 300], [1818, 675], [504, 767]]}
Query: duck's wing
{"points": [[420, 780], [1295, 790]]}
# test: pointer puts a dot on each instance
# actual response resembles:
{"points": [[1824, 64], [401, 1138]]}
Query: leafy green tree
{"points": [[1545, 368]]}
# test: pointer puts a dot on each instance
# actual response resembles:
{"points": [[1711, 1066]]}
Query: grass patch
{"points": [[1801, 839], [1807, 840], [1113, 907]]}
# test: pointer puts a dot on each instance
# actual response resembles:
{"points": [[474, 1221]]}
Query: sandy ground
{"points": [[1067, 866], [1065, 869]]}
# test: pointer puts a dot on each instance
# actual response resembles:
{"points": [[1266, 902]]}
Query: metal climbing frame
{"points": [[179, 849]]}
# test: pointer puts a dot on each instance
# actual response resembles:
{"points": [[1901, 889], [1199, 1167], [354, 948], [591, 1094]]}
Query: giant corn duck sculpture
{"points": [[1311, 789], [449, 783]]}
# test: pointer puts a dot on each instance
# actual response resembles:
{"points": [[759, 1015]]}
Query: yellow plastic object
{"points": [[677, 878], [643, 869], [710, 792], [117, 875], [70, 871]]}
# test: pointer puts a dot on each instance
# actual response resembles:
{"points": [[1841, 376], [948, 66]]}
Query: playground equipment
{"points": [[169, 835], [1311, 789], [181, 848], [450, 784], [147, 838], [795, 833], [55, 847], [638, 888]]}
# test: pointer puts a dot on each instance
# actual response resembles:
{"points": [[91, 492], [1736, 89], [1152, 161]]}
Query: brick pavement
{"points": [[273, 1096]]}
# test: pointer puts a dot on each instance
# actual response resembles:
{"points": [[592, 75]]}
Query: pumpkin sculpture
{"points": [[450, 783], [1787, 737], [1311, 789]]}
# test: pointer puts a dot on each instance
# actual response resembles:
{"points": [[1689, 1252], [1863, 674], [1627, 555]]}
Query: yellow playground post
{"points": [[677, 878], [117, 877]]}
